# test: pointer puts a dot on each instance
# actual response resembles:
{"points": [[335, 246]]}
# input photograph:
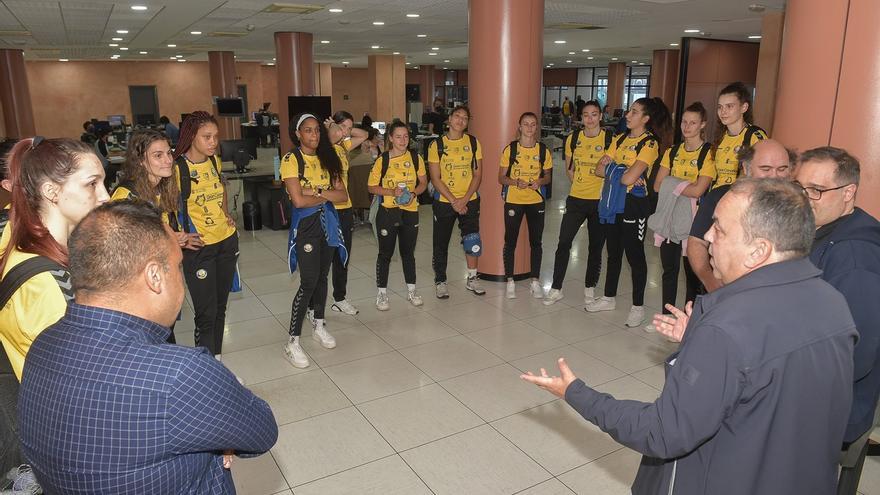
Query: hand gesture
{"points": [[556, 385], [604, 161], [674, 325], [534, 185], [520, 184], [228, 455], [194, 242], [328, 122]]}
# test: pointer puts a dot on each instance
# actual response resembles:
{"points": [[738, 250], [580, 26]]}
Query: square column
{"points": [[387, 78]]}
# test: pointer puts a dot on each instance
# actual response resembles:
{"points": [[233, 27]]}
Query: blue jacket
{"points": [[848, 253], [613, 199], [332, 231]]}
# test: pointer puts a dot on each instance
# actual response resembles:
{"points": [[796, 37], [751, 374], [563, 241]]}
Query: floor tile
{"points": [[654, 376], [301, 396], [514, 340], [473, 316], [550, 487], [419, 416], [450, 357], [475, 461], [571, 325], [277, 282], [250, 270], [352, 343], [610, 475], [278, 302], [556, 436], [252, 333], [496, 392], [377, 376], [257, 475], [388, 476], [328, 444], [260, 364], [245, 309], [524, 307], [625, 351], [589, 369], [408, 331], [399, 307]]}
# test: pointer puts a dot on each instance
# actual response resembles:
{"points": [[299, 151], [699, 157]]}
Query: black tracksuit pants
{"points": [[209, 273], [313, 259], [513, 215], [396, 226], [576, 212], [627, 235], [670, 258]]}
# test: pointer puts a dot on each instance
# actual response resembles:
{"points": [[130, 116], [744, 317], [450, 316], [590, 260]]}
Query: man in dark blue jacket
{"points": [[847, 250], [756, 400]]}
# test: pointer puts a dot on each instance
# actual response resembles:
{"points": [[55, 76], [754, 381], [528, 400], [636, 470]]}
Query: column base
{"points": [[502, 278]]}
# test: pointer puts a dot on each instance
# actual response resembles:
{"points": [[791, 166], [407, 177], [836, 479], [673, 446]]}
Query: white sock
{"points": [[383, 290], [510, 281], [319, 323], [295, 339], [472, 272], [411, 288]]}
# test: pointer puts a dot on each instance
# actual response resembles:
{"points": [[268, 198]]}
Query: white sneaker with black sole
{"points": [[473, 285], [344, 306]]}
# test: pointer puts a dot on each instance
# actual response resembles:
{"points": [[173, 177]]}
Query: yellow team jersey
{"points": [[527, 168], [685, 165], [626, 154], [342, 151], [401, 170], [37, 304], [205, 203], [122, 192], [314, 175], [456, 169], [725, 156], [587, 153]]}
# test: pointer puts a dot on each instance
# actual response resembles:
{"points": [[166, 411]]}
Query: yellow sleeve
{"points": [[649, 152], [612, 150], [433, 156], [479, 150], [566, 147], [375, 173], [288, 167], [37, 305], [346, 144], [709, 169], [423, 167], [120, 193], [548, 159], [665, 161], [505, 157]]}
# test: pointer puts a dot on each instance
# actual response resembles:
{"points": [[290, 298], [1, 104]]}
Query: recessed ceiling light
{"points": [[432, 53], [585, 50], [560, 42], [755, 37], [172, 45], [412, 15], [63, 60], [445, 68], [447, 61], [635, 61], [181, 60], [568, 61], [114, 45], [435, 48], [673, 44], [122, 31], [273, 59], [116, 39], [613, 58], [195, 32], [378, 23], [641, 63], [571, 53], [143, 53], [396, 53], [589, 58], [138, 7], [692, 30], [335, 11], [406, 63], [421, 36], [375, 47], [324, 42], [550, 64], [123, 48], [346, 63], [173, 58]]}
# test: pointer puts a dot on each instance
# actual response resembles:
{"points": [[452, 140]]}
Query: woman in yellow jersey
{"points": [[583, 150], [341, 130], [209, 263], [691, 162], [312, 175], [734, 131], [55, 183], [524, 171], [397, 177], [650, 129], [455, 163]]}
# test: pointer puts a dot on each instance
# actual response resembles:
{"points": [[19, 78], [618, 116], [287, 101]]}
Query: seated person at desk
{"points": [[171, 130], [264, 124]]}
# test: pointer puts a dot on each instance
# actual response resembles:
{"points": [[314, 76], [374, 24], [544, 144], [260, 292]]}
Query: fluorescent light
{"points": [[273, 59], [568, 61], [434, 48], [432, 53], [413, 16], [547, 67], [173, 58], [571, 53], [692, 30], [181, 60], [421, 36], [335, 11], [673, 44], [585, 50], [560, 42], [641, 63], [635, 61], [271, 63], [114, 45], [143, 53], [408, 63], [196, 33], [396, 53], [122, 31], [551, 64], [172, 45], [378, 23], [63, 60], [375, 47], [446, 61], [324, 42], [116, 39], [589, 58], [445, 68], [613, 58], [346, 63], [755, 37], [123, 48], [178, 56], [138, 7]]}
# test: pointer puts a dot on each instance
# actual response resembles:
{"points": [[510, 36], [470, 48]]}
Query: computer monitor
{"points": [[116, 120], [230, 107], [228, 148], [379, 126], [102, 125]]}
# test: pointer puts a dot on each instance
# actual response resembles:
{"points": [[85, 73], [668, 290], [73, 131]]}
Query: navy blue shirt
{"points": [[106, 406]]}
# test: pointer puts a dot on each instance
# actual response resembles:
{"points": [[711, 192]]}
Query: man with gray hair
{"points": [[756, 398]]}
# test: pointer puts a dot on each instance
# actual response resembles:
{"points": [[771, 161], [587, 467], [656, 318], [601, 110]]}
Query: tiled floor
{"points": [[429, 400]]}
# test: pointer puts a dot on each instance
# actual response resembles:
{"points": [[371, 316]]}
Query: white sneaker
{"points": [[473, 285], [589, 294], [636, 316], [414, 298], [536, 289], [601, 304], [310, 314], [295, 353], [323, 337], [382, 301], [553, 296], [511, 289], [344, 306], [441, 289]]}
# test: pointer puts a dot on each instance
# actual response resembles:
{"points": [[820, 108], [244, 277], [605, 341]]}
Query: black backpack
{"points": [[750, 131], [385, 160], [186, 190], [542, 152], [441, 151], [575, 136], [704, 151], [172, 219]]}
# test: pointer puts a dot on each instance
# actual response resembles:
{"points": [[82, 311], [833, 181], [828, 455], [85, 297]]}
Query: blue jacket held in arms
{"points": [[332, 231]]}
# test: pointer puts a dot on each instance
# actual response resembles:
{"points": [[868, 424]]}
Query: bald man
{"points": [[767, 159]]}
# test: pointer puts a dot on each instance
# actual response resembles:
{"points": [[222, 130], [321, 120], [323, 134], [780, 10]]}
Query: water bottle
{"points": [[405, 197], [276, 165]]}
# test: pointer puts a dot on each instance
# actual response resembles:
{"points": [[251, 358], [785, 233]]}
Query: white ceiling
{"points": [[82, 29]]}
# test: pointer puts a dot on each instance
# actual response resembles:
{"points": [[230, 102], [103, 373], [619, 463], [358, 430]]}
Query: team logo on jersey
{"points": [[632, 148], [694, 161], [535, 158], [307, 248], [737, 148], [193, 174], [598, 147], [407, 164], [449, 167], [467, 148], [510, 213], [201, 274], [383, 232]]}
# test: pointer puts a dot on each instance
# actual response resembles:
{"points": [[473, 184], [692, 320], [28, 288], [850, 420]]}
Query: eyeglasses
{"points": [[815, 193]]}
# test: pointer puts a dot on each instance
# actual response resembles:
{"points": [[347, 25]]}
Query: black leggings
{"points": [[576, 212], [209, 272], [627, 234], [313, 258], [670, 258], [396, 226], [513, 215], [444, 221], [339, 270]]}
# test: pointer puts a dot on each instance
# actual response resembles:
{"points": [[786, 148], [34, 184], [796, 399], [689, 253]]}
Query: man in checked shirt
{"points": [[106, 405]]}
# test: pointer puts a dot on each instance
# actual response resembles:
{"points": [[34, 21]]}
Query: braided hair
{"points": [[189, 128], [136, 172]]}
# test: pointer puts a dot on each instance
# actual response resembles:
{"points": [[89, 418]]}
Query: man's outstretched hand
{"points": [[556, 385]]}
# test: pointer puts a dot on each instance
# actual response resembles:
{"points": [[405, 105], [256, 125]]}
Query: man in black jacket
{"points": [[847, 250], [756, 398]]}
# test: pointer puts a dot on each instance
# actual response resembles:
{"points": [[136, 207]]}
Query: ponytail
{"points": [[659, 121]]}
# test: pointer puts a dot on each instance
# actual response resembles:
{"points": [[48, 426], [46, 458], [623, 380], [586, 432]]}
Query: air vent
{"points": [[575, 25], [228, 34], [12, 33], [290, 8]]}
